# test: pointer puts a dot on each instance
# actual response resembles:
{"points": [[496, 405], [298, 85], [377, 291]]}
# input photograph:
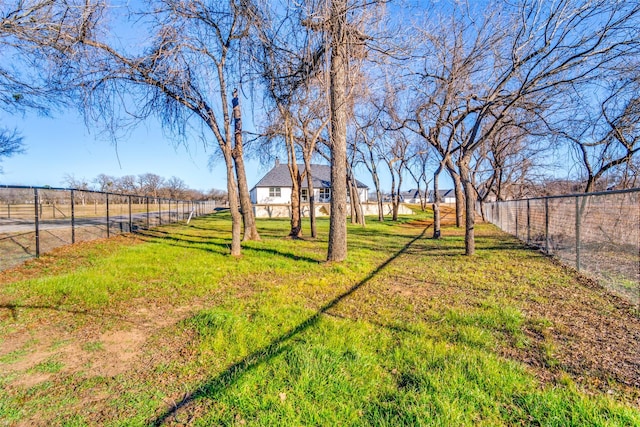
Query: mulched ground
{"points": [[596, 338]]}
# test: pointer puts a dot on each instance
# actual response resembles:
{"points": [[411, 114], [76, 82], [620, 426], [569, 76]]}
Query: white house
{"points": [[410, 196], [276, 186], [413, 196], [446, 196]]}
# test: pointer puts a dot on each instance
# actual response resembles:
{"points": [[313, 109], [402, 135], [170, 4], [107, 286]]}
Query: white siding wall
{"points": [[262, 196], [448, 199], [364, 195]]}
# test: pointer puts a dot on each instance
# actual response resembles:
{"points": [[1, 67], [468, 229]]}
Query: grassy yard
{"points": [[166, 329]]}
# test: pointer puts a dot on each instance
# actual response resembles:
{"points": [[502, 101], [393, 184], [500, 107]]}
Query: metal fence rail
{"points": [[597, 233], [35, 220]]}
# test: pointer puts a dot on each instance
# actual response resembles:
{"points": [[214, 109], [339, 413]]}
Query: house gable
{"points": [[276, 186]]}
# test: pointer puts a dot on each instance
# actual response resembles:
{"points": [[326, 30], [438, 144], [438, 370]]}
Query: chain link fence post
{"points": [[107, 198], [528, 222], [36, 203], [578, 224], [517, 209], [73, 218], [546, 226]]}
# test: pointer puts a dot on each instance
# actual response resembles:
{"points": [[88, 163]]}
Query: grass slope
{"points": [[166, 329]]}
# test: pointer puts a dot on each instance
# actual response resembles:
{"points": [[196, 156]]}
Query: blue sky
{"points": [[61, 145]]}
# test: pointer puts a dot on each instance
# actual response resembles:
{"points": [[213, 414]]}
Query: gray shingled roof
{"points": [[414, 193], [279, 177]]}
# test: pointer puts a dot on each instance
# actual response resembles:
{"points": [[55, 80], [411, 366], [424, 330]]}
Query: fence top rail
{"points": [[562, 196], [34, 187]]}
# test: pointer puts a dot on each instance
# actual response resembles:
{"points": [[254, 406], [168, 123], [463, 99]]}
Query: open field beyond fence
{"points": [[164, 328], [37, 220]]}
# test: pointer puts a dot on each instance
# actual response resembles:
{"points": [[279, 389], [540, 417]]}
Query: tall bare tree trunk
{"points": [[458, 190], [357, 213], [380, 203], [469, 192], [310, 190], [358, 204], [436, 202], [396, 198], [232, 190], [376, 183], [394, 212], [250, 230], [337, 250], [352, 202], [296, 184]]}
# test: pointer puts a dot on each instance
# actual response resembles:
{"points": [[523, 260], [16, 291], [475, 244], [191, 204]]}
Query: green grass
{"points": [[407, 331]]}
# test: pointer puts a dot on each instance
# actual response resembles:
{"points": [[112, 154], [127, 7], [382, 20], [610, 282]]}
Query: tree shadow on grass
{"points": [[230, 375], [188, 242]]}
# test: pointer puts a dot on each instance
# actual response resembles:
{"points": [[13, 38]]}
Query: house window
{"points": [[274, 192], [304, 194], [325, 194]]}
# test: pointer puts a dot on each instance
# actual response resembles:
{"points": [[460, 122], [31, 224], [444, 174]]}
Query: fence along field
{"points": [[35, 220], [598, 233]]}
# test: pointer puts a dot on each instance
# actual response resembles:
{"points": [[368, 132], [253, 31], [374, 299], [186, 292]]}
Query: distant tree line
{"points": [[146, 184]]}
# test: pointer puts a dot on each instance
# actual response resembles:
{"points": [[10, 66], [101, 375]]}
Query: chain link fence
{"points": [[35, 220], [596, 233]]}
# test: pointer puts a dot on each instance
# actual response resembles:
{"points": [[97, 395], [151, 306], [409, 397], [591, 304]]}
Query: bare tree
{"points": [[437, 92], [31, 73], [357, 212], [553, 48], [311, 122], [519, 58], [150, 184], [104, 182], [289, 56], [339, 67], [182, 77], [77, 184], [281, 129], [417, 168], [605, 134], [175, 188], [368, 134], [296, 178], [397, 155], [128, 184], [218, 195]]}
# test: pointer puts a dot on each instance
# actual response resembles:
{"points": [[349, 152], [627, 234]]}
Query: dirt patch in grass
{"points": [[103, 347]]}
